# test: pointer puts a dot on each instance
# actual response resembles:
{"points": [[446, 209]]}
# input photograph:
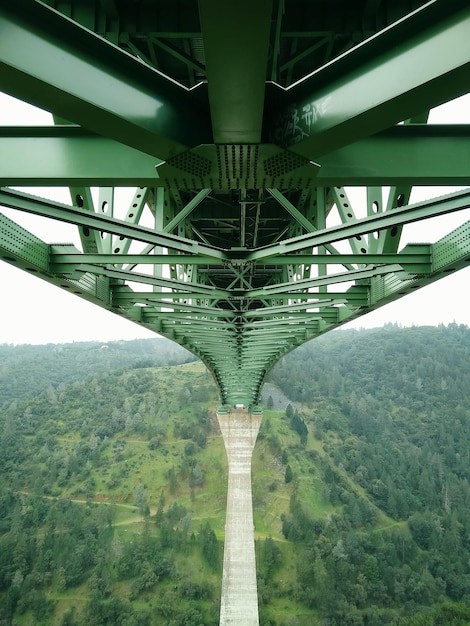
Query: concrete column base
{"points": [[239, 600]]}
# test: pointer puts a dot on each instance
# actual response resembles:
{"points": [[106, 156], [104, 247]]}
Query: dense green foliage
{"points": [[90, 532], [391, 409], [113, 486], [26, 370]]}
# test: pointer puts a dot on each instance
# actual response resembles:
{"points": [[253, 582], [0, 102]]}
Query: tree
{"points": [[288, 476], [298, 424], [271, 557], [172, 480], [196, 476], [209, 545], [141, 500]]}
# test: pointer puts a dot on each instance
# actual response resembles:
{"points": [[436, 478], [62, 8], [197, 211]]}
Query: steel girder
{"points": [[387, 79], [239, 130], [62, 67], [415, 154]]}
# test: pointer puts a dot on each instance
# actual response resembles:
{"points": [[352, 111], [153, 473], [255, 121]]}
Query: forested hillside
{"points": [[113, 484], [392, 410], [26, 370]]}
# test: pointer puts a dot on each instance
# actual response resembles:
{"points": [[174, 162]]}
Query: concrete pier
{"points": [[239, 600]]}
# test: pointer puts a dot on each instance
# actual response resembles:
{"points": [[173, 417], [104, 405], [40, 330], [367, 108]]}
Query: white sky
{"points": [[33, 311]]}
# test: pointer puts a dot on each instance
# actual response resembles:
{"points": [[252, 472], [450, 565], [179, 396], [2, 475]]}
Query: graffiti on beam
{"points": [[298, 122]]}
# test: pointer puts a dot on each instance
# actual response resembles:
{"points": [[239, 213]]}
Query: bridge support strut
{"points": [[239, 600]]}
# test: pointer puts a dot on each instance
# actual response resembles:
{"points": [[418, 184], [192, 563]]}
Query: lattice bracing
{"points": [[245, 234]]}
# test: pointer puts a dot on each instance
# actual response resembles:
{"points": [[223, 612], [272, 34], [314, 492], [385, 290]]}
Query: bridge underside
{"points": [[246, 133]]}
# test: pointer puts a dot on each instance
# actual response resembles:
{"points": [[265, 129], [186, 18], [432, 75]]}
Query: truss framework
{"points": [[243, 238]]}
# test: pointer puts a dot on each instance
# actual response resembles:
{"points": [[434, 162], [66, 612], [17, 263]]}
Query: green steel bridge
{"points": [[244, 129]]}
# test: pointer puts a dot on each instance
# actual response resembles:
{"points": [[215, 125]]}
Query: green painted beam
{"points": [[177, 53], [54, 63], [292, 210], [25, 251], [450, 254], [187, 210], [336, 297], [123, 295], [22, 248], [403, 215], [70, 156], [62, 261], [182, 320], [417, 154], [117, 300], [290, 308], [386, 79], [236, 46], [403, 257], [66, 213], [194, 289], [404, 155]]}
